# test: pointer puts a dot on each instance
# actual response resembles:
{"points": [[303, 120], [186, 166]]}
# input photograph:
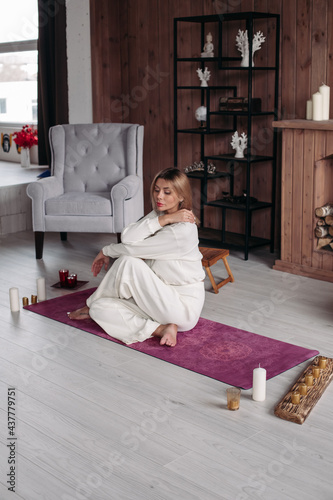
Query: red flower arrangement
{"points": [[26, 138]]}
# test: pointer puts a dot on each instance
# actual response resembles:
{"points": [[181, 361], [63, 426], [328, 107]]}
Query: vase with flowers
{"points": [[25, 139]]}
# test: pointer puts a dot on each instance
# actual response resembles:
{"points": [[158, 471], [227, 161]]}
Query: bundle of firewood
{"points": [[324, 225]]}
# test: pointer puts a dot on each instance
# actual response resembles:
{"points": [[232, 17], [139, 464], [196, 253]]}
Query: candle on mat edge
{"points": [[325, 92], [14, 299], [259, 384], [41, 290], [317, 106]]}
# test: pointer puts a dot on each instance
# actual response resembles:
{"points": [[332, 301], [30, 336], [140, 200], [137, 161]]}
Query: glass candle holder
{"points": [[71, 281], [33, 299], [25, 301], [322, 362], [233, 398], [63, 273], [315, 371], [74, 275], [295, 397], [303, 389]]}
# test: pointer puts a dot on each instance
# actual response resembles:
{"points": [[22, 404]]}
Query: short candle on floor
{"points": [[322, 362], [33, 299], [316, 371], [41, 290], [14, 299], [309, 379], [233, 398], [25, 301]]}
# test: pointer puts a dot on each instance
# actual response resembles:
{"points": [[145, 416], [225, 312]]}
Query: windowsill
{"points": [[12, 174]]}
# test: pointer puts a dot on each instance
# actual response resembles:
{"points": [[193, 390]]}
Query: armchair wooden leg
{"points": [[118, 237], [63, 236], [39, 243]]}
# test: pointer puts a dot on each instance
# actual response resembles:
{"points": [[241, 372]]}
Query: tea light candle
{"points": [[315, 371], [303, 389], [63, 273], [25, 301], [295, 397], [259, 384], [33, 299], [322, 362], [74, 275], [309, 379], [71, 281], [41, 290], [233, 405], [14, 299]]}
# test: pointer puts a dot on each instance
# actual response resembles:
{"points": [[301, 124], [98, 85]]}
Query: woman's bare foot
{"points": [[82, 313], [168, 334]]}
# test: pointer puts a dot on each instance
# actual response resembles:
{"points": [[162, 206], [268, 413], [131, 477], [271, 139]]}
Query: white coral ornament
{"points": [[204, 76], [239, 143], [242, 43]]}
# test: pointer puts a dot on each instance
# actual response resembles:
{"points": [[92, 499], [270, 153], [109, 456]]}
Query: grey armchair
{"points": [[96, 182]]}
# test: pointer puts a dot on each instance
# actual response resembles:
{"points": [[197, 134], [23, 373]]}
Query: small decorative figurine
{"points": [[242, 43], [208, 49], [204, 76], [201, 114], [239, 143], [199, 166]]}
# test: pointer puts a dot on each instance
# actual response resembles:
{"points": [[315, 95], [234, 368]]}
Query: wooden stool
{"points": [[209, 257]]}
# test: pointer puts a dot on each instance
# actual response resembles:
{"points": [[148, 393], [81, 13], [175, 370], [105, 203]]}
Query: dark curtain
{"points": [[52, 72]]}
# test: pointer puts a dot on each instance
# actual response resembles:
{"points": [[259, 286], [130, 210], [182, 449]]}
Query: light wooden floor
{"points": [[98, 421]]}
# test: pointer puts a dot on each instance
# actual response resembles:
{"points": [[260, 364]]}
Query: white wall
{"points": [[79, 61]]}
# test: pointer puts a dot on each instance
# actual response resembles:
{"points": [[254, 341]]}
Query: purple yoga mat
{"points": [[218, 351]]}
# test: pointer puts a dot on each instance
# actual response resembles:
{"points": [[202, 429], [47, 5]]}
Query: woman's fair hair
{"points": [[179, 182]]}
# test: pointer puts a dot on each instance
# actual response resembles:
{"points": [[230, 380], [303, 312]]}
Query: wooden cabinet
{"points": [[235, 179], [307, 183]]}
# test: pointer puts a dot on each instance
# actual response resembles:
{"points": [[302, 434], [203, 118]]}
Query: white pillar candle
{"points": [[325, 92], [41, 290], [14, 299], [309, 110], [317, 106], [259, 384]]}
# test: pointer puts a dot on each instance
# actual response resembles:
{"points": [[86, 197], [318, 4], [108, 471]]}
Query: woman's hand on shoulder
{"points": [[182, 215], [100, 261]]}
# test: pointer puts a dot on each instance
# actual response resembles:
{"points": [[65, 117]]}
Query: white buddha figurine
{"points": [[208, 50]]}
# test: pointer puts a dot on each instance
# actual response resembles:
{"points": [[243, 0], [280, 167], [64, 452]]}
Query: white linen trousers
{"points": [[132, 300]]}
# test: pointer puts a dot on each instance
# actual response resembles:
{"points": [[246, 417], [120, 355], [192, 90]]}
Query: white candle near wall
{"points": [[14, 299], [325, 92], [309, 110], [259, 384], [41, 290], [317, 106]]}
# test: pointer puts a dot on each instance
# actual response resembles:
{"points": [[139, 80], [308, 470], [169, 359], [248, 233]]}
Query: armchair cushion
{"points": [[76, 203]]}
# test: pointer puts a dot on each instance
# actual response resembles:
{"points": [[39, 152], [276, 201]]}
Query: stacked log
{"points": [[324, 225]]}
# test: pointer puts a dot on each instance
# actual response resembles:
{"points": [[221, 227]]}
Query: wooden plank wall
{"points": [[132, 70]]}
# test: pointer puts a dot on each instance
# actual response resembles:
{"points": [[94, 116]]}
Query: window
{"points": [[3, 106], [18, 62]]}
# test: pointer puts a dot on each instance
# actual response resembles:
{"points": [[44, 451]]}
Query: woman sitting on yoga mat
{"points": [[155, 286]]}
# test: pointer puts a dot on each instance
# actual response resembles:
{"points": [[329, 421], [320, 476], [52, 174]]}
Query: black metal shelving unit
{"points": [[220, 237]]}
